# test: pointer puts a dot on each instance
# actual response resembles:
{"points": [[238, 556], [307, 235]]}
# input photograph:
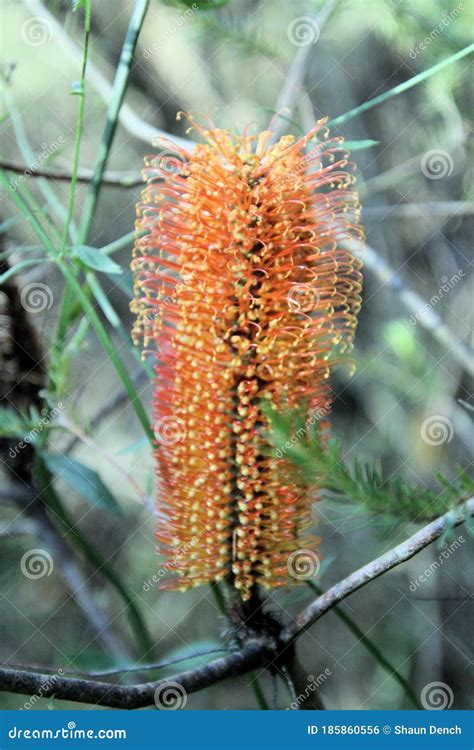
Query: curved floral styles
{"points": [[246, 294]]}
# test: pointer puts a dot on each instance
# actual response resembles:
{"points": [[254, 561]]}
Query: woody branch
{"points": [[255, 654]]}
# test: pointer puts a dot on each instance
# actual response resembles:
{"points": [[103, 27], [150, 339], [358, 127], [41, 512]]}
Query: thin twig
{"points": [[122, 670], [399, 554], [64, 422], [117, 179], [296, 73], [401, 88], [371, 647], [77, 583], [129, 179], [256, 654], [110, 406], [289, 683], [417, 306], [70, 569], [128, 118]]}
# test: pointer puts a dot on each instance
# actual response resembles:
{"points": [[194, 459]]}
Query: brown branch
{"points": [[399, 554], [71, 569], [134, 179], [296, 73], [252, 656], [421, 310], [255, 654], [117, 179]]}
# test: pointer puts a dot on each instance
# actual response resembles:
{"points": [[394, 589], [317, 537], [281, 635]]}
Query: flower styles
{"points": [[246, 291]]}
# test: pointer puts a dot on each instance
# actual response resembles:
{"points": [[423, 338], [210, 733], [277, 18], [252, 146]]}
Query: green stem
{"points": [[127, 239], [258, 692], [19, 267], [82, 297], [79, 126], [219, 597], [59, 514], [22, 203], [68, 308], [30, 157], [400, 88], [44, 476], [68, 299], [118, 93], [371, 648], [89, 309], [109, 312]]}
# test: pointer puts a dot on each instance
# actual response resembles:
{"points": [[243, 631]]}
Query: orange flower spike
{"points": [[245, 289]]}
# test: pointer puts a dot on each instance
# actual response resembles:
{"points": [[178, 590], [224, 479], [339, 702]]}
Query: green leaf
{"points": [[127, 239], [322, 463], [93, 258], [359, 145], [414, 81], [83, 480], [371, 647]]}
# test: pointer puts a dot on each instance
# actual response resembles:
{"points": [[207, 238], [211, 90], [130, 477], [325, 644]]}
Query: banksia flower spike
{"points": [[247, 294]]}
